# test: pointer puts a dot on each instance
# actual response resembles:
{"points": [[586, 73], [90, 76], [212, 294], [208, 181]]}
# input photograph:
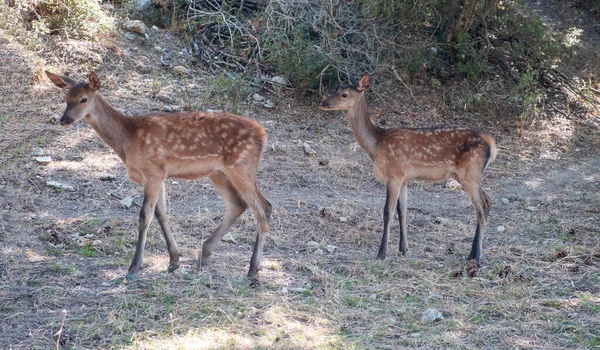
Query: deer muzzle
{"points": [[65, 120]]}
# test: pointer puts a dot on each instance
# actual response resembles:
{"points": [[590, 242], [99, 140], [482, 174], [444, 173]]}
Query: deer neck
{"points": [[365, 132], [110, 124]]}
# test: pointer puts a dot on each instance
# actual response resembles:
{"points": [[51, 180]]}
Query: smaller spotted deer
{"points": [[430, 154], [222, 146]]}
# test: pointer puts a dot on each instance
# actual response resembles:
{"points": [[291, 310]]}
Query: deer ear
{"points": [[61, 82], [94, 81], [364, 82]]}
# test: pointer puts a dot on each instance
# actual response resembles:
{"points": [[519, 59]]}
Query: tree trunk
{"points": [[461, 18]]}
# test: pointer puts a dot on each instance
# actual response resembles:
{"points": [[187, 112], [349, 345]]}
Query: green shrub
{"points": [[15, 20], [299, 60], [227, 92], [77, 18], [29, 21]]}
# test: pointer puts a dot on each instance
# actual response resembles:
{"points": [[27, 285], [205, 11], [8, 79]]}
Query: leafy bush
{"points": [[15, 20], [299, 60], [77, 18], [29, 21], [227, 92]]}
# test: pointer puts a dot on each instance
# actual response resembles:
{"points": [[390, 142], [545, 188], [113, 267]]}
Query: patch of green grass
{"points": [[53, 251], [352, 301], [34, 282], [88, 251], [62, 269], [87, 227]]}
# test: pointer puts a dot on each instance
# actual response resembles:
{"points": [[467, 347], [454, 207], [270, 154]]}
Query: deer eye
{"points": [[344, 95], [84, 100]]}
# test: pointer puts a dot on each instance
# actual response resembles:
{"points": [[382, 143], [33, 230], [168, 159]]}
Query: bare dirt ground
{"points": [[538, 285]]}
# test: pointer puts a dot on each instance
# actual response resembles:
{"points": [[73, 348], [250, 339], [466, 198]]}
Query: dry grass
{"points": [[537, 286]]}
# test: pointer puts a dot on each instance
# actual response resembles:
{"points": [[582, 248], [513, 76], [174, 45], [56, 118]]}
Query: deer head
{"points": [[347, 96], [80, 98]]}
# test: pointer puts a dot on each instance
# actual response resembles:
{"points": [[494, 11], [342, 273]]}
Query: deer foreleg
{"points": [[161, 216], [401, 208], [393, 189], [151, 194]]}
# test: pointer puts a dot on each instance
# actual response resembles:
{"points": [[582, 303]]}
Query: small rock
{"points": [[155, 28], [591, 124], [130, 36], [437, 295], [172, 108], [431, 315], [373, 296], [229, 238], [107, 177], [308, 150], [55, 119], [269, 104], [308, 286], [136, 26], [318, 251], [257, 97], [441, 221], [501, 228], [391, 320], [312, 244], [38, 152], [96, 59], [97, 243], [331, 248], [531, 208], [280, 80], [181, 70], [416, 335], [283, 290], [60, 186], [126, 202], [298, 290], [278, 146], [44, 160], [82, 242], [505, 200], [343, 219]]}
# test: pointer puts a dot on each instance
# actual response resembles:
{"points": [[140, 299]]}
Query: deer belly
{"points": [[431, 174], [194, 170]]}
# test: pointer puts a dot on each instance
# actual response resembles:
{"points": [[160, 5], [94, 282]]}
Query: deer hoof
{"points": [[172, 268], [131, 277]]}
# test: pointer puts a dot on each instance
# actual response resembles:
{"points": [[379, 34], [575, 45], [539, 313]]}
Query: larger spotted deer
{"points": [[222, 146], [431, 154]]}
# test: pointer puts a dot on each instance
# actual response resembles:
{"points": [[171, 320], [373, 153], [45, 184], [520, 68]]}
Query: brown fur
{"points": [[222, 146], [430, 154]]}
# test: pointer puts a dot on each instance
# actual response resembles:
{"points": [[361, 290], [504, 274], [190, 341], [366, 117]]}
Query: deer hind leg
{"points": [[152, 190], [487, 202], [235, 206], [265, 203], [243, 178], [481, 205], [161, 216], [393, 191], [401, 208]]}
